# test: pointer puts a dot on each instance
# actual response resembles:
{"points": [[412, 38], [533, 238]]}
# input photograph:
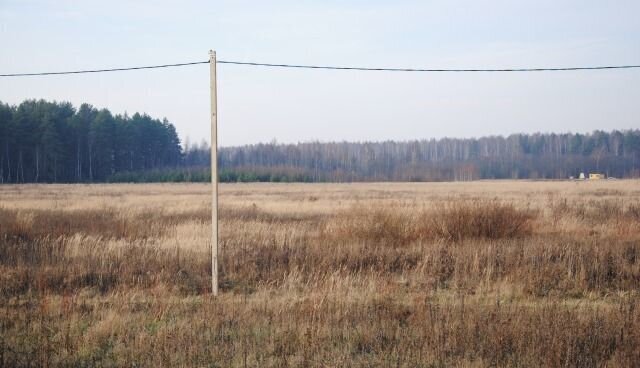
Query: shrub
{"points": [[374, 224], [487, 219]]}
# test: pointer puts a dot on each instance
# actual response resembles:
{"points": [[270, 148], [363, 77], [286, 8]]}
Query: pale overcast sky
{"points": [[260, 104]]}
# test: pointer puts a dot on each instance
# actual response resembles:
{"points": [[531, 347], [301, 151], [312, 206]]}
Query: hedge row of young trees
{"points": [[44, 141]]}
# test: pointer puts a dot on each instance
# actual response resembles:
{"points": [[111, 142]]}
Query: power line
{"points": [[429, 70], [298, 66], [104, 70]]}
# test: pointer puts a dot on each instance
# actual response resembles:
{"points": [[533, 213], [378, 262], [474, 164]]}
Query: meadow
{"points": [[475, 274]]}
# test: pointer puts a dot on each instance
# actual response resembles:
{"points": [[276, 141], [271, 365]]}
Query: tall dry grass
{"points": [[389, 275]]}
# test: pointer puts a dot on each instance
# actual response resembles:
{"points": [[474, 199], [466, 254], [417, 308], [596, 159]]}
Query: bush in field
{"points": [[481, 219], [455, 222], [381, 225]]}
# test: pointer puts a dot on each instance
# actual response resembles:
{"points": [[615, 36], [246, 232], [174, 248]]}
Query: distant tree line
{"points": [[44, 141], [518, 156]]}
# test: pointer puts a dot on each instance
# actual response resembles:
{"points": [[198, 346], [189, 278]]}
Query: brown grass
{"points": [[365, 275], [484, 219]]}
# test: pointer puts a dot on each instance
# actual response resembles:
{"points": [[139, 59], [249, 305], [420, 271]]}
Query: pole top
{"points": [[212, 53]]}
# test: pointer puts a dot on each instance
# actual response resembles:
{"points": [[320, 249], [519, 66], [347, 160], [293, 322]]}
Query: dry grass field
{"points": [[474, 274]]}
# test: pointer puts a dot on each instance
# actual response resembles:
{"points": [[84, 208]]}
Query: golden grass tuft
{"points": [[485, 219]]}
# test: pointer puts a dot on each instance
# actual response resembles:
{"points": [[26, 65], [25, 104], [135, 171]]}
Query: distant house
{"points": [[596, 176], [581, 177]]}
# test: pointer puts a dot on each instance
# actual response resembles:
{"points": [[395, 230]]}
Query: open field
{"points": [[476, 274]]}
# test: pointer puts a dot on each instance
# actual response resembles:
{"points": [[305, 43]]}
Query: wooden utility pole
{"points": [[214, 174]]}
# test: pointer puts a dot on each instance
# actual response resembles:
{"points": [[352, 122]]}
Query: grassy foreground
{"points": [[431, 275]]}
